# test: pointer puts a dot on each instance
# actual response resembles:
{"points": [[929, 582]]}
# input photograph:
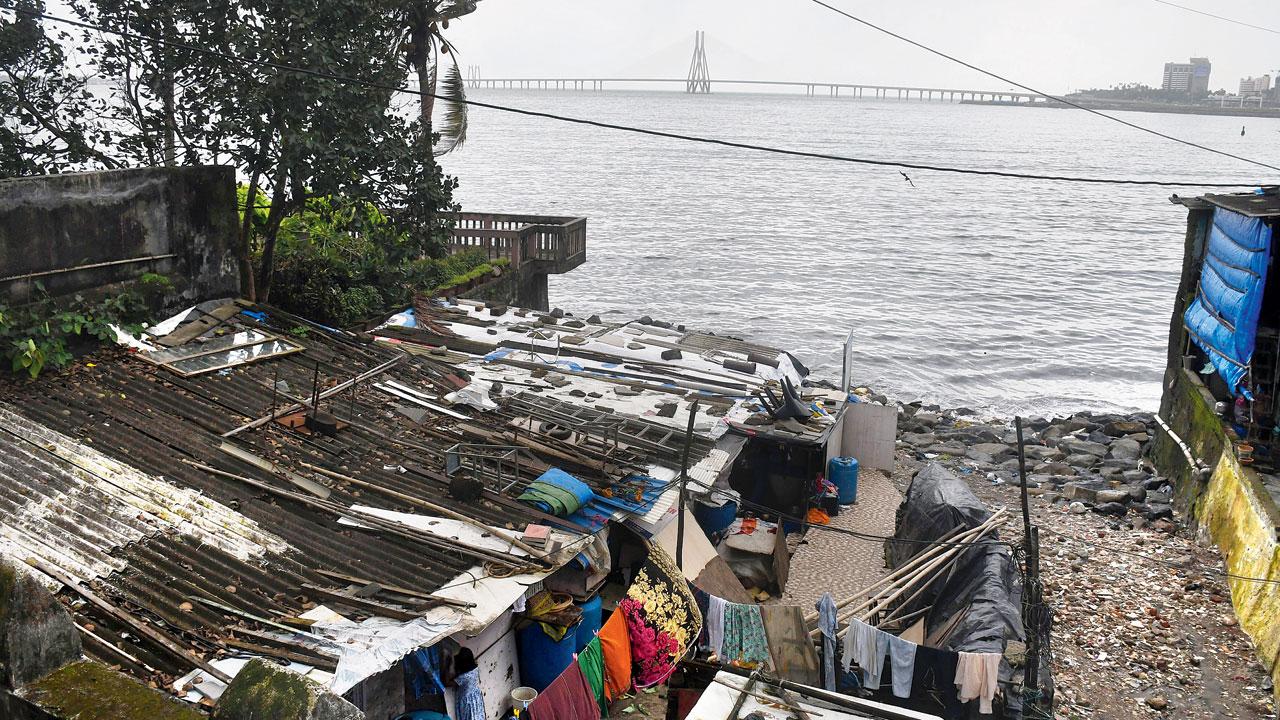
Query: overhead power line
{"points": [[1219, 17], [1030, 89], [647, 131]]}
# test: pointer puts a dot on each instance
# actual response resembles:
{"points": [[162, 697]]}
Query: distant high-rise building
{"points": [[1189, 77], [1255, 86]]}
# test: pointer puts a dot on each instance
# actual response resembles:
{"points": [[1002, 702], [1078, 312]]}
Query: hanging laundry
{"points": [[714, 622], [615, 645], [469, 701], [902, 665], [790, 649], [662, 618], [866, 646], [976, 677], [827, 625], [934, 678], [591, 662], [745, 642], [568, 697], [422, 671]]}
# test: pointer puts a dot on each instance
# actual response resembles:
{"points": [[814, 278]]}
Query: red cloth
{"points": [[615, 644], [568, 697]]}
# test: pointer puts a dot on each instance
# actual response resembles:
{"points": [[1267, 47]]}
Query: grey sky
{"points": [[1057, 46]]}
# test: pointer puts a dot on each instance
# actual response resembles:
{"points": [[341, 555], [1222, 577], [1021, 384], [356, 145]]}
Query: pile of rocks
{"points": [[1087, 461]]}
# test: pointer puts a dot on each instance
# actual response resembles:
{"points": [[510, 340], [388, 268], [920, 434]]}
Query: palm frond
{"points": [[453, 92], [453, 9]]}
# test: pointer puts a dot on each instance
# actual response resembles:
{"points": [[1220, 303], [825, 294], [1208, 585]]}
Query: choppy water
{"points": [[1006, 295]]}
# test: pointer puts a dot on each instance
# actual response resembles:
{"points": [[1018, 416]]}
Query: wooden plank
{"points": [[371, 606], [199, 326]]}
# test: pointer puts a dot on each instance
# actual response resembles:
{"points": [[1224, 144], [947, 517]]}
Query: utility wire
{"points": [[1030, 89], [661, 133], [1219, 17]]}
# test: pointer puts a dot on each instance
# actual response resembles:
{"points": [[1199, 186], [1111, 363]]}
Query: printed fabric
{"points": [[615, 645], [827, 624], [976, 677], [662, 619], [902, 665], [866, 646], [715, 625], [934, 679], [591, 662], [568, 697], [745, 642], [469, 700]]}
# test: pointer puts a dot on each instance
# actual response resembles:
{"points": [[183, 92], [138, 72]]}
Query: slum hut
{"points": [[387, 516], [1220, 413]]}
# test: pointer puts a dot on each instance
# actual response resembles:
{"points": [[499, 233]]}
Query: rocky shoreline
{"points": [[1088, 462]]}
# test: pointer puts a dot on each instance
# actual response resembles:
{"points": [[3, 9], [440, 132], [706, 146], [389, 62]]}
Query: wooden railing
{"points": [[521, 238]]}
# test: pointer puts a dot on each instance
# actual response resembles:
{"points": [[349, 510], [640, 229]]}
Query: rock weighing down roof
{"points": [[193, 507]]}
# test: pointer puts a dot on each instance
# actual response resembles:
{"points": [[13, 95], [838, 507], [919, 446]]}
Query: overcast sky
{"points": [[1056, 46]]}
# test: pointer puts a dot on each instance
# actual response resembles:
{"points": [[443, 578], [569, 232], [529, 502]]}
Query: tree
{"points": [[45, 107], [295, 135], [425, 23]]}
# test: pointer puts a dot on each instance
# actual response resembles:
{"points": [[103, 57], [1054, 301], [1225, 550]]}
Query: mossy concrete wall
{"points": [[1230, 508], [265, 691], [525, 287], [91, 691], [36, 632]]}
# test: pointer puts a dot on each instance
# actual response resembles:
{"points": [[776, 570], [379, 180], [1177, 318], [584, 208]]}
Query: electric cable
{"points": [[1219, 17], [661, 133], [1030, 89]]}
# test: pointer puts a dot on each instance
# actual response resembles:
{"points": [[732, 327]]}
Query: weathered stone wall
{"points": [[525, 288], [71, 232], [36, 632]]}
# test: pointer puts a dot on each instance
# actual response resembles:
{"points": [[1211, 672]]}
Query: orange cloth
{"points": [[616, 647]]}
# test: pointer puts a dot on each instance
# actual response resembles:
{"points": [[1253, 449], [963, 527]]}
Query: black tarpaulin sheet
{"points": [[983, 589]]}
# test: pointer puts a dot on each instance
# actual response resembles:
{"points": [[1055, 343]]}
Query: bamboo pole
{"points": [[514, 541]]}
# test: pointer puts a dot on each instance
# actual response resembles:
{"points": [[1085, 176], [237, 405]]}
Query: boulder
{"points": [[1083, 460], [927, 419], [953, 449], [1120, 428], [1112, 496], [1085, 491], [1134, 476], [1111, 508], [1052, 434], [919, 440], [999, 451], [1054, 468], [1137, 493], [1125, 449], [1158, 511], [1082, 447], [1042, 453]]}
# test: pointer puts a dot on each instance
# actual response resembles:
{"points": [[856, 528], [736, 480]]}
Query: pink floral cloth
{"points": [[662, 619]]}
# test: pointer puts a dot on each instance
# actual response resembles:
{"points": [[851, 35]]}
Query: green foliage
{"points": [[43, 334], [341, 261]]}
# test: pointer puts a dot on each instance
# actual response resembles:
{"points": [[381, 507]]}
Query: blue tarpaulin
{"points": [[1223, 318]]}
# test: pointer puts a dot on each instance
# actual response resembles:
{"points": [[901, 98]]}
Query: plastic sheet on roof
{"points": [[1223, 318]]}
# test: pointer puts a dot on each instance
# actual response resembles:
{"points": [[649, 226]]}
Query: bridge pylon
{"points": [[699, 74]]}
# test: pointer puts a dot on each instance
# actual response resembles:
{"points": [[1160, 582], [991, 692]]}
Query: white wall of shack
{"points": [[495, 651]]}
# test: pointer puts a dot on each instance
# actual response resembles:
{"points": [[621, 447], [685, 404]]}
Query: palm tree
{"points": [[427, 20]]}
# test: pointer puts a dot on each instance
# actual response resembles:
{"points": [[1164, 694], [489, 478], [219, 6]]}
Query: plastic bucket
{"points": [[715, 518], [843, 473], [541, 658], [590, 624]]}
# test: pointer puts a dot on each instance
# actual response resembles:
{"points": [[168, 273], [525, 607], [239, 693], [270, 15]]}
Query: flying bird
{"points": [[907, 178]]}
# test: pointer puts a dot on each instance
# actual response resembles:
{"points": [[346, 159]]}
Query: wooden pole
{"points": [[684, 484]]}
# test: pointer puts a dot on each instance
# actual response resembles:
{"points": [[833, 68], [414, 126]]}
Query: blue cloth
{"points": [[558, 493], [470, 702], [1223, 318], [422, 670], [827, 624], [595, 514]]}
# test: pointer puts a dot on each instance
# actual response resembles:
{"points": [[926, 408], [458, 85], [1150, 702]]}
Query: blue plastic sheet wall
{"points": [[1223, 318]]}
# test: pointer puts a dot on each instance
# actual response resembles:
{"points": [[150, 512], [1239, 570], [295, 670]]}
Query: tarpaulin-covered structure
{"points": [[1223, 318]]}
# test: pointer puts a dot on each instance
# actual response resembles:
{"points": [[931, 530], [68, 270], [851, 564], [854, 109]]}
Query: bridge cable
{"points": [[1030, 89], [636, 130], [1219, 17]]}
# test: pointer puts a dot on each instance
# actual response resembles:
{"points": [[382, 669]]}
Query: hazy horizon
{"points": [[1057, 47]]}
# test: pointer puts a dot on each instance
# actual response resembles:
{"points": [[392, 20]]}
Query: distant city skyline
{"points": [[1057, 47]]}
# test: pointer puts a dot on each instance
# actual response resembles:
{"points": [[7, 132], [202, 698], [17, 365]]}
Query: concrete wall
{"points": [[526, 288], [178, 222]]}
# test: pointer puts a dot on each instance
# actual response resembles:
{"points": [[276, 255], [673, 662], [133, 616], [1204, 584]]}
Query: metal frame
{"points": [[266, 339], [456, 457]]}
